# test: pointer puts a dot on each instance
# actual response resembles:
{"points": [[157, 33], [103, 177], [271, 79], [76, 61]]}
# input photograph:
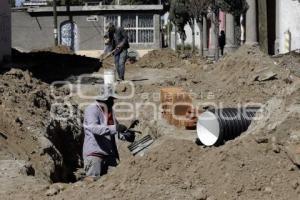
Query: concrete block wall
{"points": [[31, 33], [5, 30], [36, 32]]}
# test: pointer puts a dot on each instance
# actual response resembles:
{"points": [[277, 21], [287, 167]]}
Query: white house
{"points": [[5, 30], [287, 25], [188, 32]]}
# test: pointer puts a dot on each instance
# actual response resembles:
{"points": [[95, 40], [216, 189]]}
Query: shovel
{"points": [[108, 55]]}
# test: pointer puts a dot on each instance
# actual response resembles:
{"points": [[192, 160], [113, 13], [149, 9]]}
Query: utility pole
{"points": [[55, 23]]}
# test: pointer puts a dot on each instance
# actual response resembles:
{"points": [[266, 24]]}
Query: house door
{"points": [[69, 35]]}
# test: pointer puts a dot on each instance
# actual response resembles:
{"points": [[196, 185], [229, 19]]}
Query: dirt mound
{"points": [[247, 75], [165, 58], [31, 124], [56, 49], [254, 166], [50, 66], [261, 164], [290, 61]]}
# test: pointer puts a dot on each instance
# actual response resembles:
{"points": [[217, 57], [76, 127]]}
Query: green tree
{"points": [[180, 16], [198, 10], [234, 7]]}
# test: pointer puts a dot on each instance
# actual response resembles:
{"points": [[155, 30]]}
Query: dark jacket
{"points": [[121, 38], [222, 40], [118, 38]]}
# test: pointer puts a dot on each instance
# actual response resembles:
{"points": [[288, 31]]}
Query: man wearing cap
{"points": [[100, 129], [118, 39]]}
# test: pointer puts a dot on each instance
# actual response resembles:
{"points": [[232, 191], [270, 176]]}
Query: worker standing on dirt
{"points": [[222, 41], [119, 40], [100, 129]]}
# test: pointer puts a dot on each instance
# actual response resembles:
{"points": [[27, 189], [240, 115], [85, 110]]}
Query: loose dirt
{"points": [[260, 164]]}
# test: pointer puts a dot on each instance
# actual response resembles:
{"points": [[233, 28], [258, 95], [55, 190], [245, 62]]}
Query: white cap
{"points": [[106, 92]]}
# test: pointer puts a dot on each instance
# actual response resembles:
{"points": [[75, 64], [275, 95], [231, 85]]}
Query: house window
{"points": [[145, 29], [129, 24], [111, 19], [140, 28]]}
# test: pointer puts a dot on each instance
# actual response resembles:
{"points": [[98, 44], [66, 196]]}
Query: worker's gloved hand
{"points": [[121, 128], [129, 136]]}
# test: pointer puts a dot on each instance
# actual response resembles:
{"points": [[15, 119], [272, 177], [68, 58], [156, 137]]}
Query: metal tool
{"points": [[133, 124], [3, 135], [108, 55], [138, 147]]}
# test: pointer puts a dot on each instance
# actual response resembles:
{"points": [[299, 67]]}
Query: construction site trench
{"points": [[41, 131]]}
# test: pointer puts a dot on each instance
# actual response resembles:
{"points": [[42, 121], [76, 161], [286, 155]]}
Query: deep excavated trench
{"points": [[39, 127]]}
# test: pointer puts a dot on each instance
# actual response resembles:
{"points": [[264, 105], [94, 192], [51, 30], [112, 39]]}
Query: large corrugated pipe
{"points": [[214, 127]]}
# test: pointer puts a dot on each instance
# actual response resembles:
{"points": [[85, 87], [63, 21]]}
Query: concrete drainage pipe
{"points": [[214, 127]]}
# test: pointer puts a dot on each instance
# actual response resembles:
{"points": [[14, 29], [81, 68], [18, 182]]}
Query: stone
{"points": [[268, 190], [261, 140], [199, 194], [291, 167], [275, 148], [27, 170], [44, 144], [211, 198], [19, 121], [293, 152], [266, 76], [55, 189], [295, 184], [52, 192]]}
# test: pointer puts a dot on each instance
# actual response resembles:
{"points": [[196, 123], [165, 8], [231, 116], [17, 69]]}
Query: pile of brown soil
{"points": [[254, 166], [61, 49], [182, 170], [260, 164], [50, 66], [246, 75], [26, 110], [290, 61], [165, 58]]}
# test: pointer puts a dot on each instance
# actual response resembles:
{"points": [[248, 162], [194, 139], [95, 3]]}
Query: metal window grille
{"points": [[140, 28], [111, 19], [145, 36], [128, 21], [145, 29], [131, 35]]}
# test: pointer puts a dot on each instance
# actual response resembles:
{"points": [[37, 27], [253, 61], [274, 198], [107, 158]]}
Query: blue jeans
{"points": [[120, 60]]}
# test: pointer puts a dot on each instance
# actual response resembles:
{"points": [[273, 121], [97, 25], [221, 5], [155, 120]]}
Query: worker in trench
{"points": [[116, 41], [101, 130]]}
